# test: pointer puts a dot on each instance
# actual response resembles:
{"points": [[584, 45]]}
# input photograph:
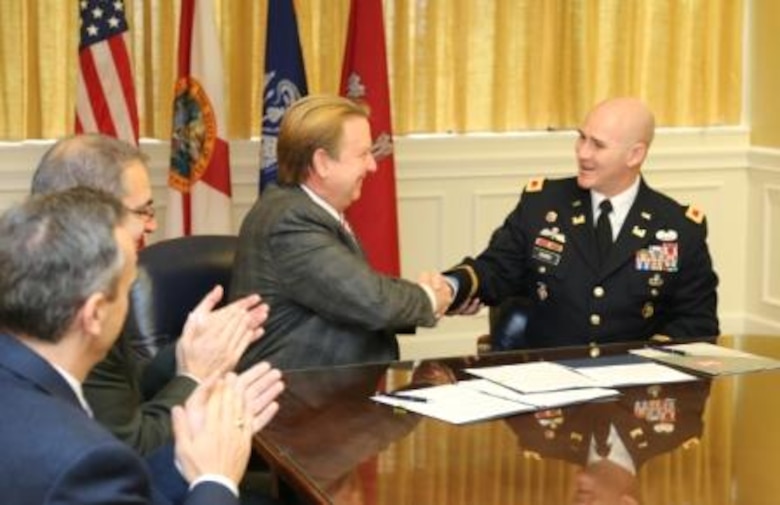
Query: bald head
{"points": [[626, 118], [613, 143]]}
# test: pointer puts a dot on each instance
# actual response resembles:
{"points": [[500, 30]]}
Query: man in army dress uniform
{"points": [[612, 440], [602, 257]]}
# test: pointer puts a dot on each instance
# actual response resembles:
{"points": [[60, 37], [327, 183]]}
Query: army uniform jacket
{"points": [[658, 278], [650, 420]]}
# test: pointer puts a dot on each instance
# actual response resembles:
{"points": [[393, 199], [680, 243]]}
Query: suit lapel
{"points": [[26, 364], [578, 219], [637, 231], [350, 239], [322, 216]]}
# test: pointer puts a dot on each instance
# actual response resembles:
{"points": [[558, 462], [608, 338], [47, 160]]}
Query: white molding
{"points": [[757, 325], [764, 159], [453, 156], [767, 265], [733, 323], [551, 153], [699, 186], [437, 199]]}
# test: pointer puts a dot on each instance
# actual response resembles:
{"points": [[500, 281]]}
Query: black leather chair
{"points": [[507, 324], [173, 276]]}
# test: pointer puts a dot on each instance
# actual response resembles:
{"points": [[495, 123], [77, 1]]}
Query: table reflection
{"points": [[655, 444], [332, 428], [611, 441]]}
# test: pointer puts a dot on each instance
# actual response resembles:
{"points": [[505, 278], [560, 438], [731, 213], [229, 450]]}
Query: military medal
{"points": [[548, 244], [551, 216], [655, 281], [541, 291], [666, 235], [578, 220]]}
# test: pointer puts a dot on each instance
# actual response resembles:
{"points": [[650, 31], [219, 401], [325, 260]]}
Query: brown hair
{"points": [[313, 122]]}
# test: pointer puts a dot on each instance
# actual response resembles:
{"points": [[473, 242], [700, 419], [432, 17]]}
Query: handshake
{"points": [[443, 292]]}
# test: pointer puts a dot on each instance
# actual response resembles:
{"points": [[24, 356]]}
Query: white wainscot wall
{"points": [[454, 190]]}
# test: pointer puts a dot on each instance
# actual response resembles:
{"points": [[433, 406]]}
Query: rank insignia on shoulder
{"points": [[535, 185], [694, 214]]}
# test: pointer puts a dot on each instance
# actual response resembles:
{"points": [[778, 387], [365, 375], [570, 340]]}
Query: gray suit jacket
{"points": [[328, 306]]}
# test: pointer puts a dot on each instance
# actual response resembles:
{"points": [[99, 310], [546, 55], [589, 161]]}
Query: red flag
{"points": [[374, 218], [105, 93], [199, 177]]}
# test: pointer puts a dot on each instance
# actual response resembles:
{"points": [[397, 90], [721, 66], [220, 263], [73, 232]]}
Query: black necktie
{"points": [[604, 230], [601, 434]]}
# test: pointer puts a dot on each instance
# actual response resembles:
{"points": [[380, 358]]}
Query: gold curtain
{"points": [[455, 65]]}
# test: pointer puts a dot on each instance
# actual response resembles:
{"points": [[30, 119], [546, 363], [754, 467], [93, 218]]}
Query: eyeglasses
{"points": [[145, 212]]}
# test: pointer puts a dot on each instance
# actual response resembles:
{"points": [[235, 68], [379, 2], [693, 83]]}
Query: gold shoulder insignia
{"points": [[690, 443], [694, 214], [534, 185], [532, 455]]}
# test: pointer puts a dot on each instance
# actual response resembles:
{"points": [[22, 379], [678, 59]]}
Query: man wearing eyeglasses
{"points": [[211, 341]]}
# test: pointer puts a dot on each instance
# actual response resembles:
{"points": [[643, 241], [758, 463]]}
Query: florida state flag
{"points": [[199, 177], [373, 218]]}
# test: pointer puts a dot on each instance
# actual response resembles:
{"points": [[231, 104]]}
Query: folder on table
{"points": [[708, 359]]}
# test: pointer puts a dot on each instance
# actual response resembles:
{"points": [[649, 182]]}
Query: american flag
{"points": [[105, 93]]}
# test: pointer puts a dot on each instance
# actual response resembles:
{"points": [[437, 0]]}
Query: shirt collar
{"points": [[75, 385], [621, 203], [322, 203]]}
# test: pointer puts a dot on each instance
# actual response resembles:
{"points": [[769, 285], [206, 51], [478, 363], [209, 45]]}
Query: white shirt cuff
{"points": [[454, 284], [216, 478], [431, 296]]}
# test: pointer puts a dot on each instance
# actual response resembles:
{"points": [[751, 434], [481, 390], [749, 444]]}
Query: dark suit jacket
{"points": [[327, 305], [113, 392], [54, 453], [658, 278]]}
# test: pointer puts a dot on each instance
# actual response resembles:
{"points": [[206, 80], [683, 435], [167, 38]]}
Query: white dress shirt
{"points": [[621, 204]]}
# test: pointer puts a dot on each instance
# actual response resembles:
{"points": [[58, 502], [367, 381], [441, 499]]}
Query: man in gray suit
{"points": [[328, 306]]}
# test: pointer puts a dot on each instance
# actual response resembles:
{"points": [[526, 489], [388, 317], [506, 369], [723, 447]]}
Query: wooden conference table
{"points": [[709, 442]]}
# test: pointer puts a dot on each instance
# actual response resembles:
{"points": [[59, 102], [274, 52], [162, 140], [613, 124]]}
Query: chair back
{"points": [[507, 324], [173, 276]]}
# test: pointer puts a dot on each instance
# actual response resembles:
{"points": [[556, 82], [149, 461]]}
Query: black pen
{"points": [[669, 350], [406, 397]]}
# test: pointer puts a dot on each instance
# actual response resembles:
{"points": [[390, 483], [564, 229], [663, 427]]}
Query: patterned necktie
{"points": [[604, 230], [346, 226]]}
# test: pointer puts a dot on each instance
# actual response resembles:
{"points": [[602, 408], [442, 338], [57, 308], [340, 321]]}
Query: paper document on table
{"points": [[540, 400], [454, 404], [634, 374], [709, 359], [536, 377]]}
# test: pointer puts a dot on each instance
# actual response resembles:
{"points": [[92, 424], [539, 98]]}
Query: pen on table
{"points": [[669, 350], [407, 397]]}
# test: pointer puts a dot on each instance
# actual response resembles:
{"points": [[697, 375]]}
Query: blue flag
{"points": [[285, 80]]}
